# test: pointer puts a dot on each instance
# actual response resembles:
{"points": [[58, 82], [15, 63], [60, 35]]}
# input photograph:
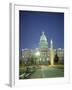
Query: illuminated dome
{"points": [[43, 41], [43, 37]]}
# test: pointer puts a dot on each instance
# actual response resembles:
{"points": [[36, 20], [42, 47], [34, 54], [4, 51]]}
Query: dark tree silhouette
{"points": [[56, 59]]}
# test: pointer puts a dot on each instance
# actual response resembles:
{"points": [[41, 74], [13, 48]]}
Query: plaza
{"points": [[45, 72], [48, 72]]}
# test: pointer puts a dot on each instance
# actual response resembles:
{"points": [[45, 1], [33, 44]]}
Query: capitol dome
{"points": [[43, 37], [43, 41]]}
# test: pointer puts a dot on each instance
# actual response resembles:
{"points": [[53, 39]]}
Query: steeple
{"points": [[43, 41]]}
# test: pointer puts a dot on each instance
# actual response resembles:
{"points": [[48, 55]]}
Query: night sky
{"points": [[33, 23]]}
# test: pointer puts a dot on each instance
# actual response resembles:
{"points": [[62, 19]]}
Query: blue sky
{"points": [[32, 23]]}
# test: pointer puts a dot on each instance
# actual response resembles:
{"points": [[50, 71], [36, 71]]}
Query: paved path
{"points": [[47, 72]]}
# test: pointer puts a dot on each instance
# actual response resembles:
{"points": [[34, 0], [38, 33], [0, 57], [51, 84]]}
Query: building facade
{"points": [[44, 54]]}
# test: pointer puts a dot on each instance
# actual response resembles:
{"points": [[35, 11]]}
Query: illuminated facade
{"points": [[43, 54]]}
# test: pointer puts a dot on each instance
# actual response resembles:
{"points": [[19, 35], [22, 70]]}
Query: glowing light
{"points": [[40, 59], [37, 53], [47, 59], [23, 56]]}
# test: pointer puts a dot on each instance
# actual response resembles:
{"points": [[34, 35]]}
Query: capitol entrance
{"points": [[42, 61]]}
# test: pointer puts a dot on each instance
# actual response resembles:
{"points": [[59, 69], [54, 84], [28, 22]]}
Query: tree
{"points": [[56, 59], [21, 62]]}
